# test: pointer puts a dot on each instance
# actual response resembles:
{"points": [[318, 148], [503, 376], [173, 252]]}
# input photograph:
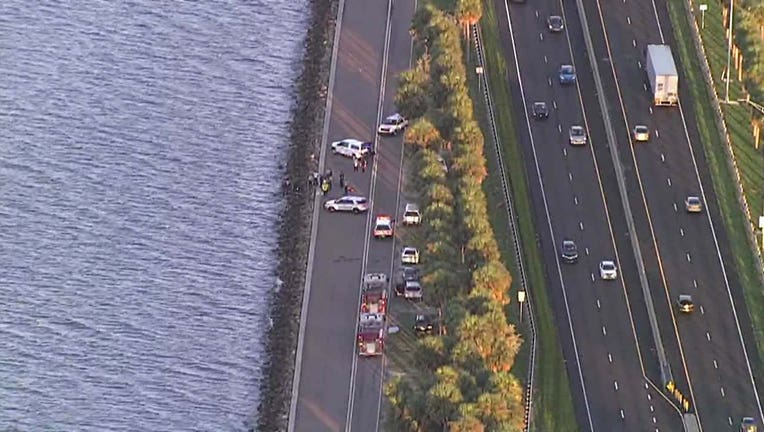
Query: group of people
{"points": [[324, 181]]}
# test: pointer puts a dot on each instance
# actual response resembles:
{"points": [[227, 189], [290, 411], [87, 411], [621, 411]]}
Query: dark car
{"points": [[554, 23], [405, 274], [569, 251], [540, 111], [685, 304], [424, 325]]}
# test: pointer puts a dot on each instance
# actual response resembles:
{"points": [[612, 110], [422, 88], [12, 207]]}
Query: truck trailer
{"points": [[662, 74]]}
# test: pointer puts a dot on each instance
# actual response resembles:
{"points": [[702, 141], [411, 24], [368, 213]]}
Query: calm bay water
{"points": [[140, 153]]}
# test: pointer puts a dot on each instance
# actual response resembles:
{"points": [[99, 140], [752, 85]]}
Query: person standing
{"points": [[325, 186], [355, 164], [342, 179], [363, 165]]}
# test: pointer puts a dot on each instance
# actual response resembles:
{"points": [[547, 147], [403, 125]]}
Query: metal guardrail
{"points": [[480, 52], [700, 51]]}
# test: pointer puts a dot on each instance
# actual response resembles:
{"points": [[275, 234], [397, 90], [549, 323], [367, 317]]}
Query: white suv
{"points": [[411, 215], [349, 147], [608, 270], [353, 204]]}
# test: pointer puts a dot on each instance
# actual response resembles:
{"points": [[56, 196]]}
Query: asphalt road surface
{"points": [[334, 389], [603, 324], [690, 252]]}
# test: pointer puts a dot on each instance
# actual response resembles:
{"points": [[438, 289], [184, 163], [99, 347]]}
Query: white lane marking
{"points": [[604, 331], [554, 104], [689, 259], [722, 391], [550, 81], [634, 42], [681, 232], [581, 226], [541, 36], [570, 176], [668, 180], [622, 415], [702, 311], [592, 275], [372, 193], [599, 306], [663, 157], [587, 251], [628, 20], [565, 151], [549, 220], [392, 252], [657, 133], [695, 283], [546, 60], [708, 336], [639, 64], [610, 357], [716, 365], [615, 384], [575, 200], [651, 110], [314, 223], [559, 128]]}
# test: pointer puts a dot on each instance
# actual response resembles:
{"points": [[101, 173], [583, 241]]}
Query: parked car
{"points": [[411, 215], [383, 227], [424, 324], [409, 255], [349, 203], [405, 274], [349, 147], [393, 124]]}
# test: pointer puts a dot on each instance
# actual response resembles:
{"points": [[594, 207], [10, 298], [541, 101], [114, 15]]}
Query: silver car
{"points": [[348, 203], [577, 135]]}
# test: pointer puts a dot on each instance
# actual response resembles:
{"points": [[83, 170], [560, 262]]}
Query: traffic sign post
{"points": [[521, 300], [703, 9]]}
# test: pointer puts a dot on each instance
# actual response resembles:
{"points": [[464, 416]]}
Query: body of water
{"points": [[141, 146]]}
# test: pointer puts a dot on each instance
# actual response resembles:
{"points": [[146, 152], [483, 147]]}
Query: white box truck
{"points": [[661, 71]]}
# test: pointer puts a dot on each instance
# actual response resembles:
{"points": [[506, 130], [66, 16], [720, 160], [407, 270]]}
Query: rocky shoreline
{"points": [[294, 231]]}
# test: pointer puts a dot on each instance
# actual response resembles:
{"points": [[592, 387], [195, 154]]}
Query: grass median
{"points": [[749, 160], [553, 404]]}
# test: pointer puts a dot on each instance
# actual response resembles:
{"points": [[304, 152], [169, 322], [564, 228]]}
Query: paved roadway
{"points": [[334, 389], [603, 324], [687, 250]]}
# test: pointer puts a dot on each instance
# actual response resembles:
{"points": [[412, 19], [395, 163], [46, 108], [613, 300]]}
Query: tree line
{"points": [[462, 379]]}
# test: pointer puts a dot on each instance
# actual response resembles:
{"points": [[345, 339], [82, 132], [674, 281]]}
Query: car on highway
{"points": [[411, 215], [608, 270], [569, 251], [693, 204], [424, 324], [641, 133], [412, 290], [405, 274], [577, 135], [393, 124], [748, 424], [554, 24], [567, 74], [374, 293], [684, 303], [350, 147], [540, 111], [409, 255], [371, 335], [348, 203], [383, 227]]}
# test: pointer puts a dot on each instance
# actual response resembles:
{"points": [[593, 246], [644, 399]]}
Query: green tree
{"points": [[466, 423], [490, 337], [444, 397], [422, 133], [468, 13], [413, 96], [492, 280], [502, 408]]}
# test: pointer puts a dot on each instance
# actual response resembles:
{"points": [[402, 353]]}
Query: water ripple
{"points": [[142, 145]]}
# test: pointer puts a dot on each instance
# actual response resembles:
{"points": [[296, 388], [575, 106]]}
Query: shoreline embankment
{"points": [[294, 230]]}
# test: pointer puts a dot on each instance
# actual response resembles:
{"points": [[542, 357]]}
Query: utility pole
{"points": [[729, 55]]}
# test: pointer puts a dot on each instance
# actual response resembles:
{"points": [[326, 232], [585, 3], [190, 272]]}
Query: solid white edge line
{"points": [[314, 222], [549, 221]]}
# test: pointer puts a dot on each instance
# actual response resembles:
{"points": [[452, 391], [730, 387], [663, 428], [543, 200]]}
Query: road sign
{"points": [[703, 7]]}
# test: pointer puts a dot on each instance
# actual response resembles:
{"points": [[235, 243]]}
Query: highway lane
{"points": [[604, 331], [323, 375], [368, 375], [668, 169]]}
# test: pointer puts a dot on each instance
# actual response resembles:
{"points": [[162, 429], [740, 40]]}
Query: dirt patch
{"points": [[294, 230]]}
